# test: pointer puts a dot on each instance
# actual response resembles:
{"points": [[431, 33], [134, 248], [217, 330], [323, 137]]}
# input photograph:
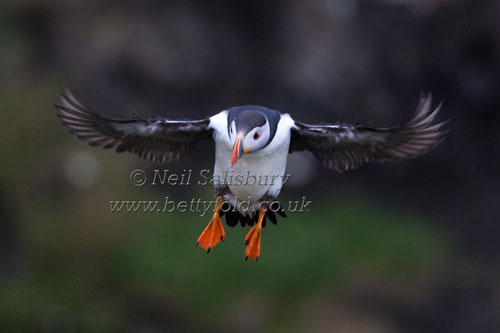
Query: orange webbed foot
{"points": [[214, 231], [252, 239]]}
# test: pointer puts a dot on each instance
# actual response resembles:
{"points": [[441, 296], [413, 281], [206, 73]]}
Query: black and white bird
{"points": [[252, 141]]}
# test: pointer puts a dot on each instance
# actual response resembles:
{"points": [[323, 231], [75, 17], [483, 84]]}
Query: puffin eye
{"points": [[256, 136]]}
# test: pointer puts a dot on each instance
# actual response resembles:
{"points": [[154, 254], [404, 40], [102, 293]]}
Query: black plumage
{"points": [[155, 138], [343, 146], [233, 217], [251, 116]]}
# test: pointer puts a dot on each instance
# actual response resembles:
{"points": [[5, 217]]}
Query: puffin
{"points": [[252, 141]]}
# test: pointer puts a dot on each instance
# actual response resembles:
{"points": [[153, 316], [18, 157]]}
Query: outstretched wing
{"points": [[156, 139], [343, 146]]}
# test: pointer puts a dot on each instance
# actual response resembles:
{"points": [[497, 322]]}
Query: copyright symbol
{"points": [[138, 177]]}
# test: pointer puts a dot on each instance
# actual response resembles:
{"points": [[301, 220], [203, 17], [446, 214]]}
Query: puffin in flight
{"points": [[252, 140]]}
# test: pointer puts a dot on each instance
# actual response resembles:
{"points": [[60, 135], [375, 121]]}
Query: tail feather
{"points": [[233, 217]]}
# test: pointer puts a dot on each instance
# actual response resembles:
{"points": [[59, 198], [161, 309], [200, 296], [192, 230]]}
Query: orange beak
{"points": [[237, 149]]}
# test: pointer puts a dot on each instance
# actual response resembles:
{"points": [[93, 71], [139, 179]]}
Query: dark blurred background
{"points": [[395, 247]]}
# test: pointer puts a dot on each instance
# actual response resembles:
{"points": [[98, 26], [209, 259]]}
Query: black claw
{"points": [[198, 242], [257, 259], [246, 257], [221, 238], [208, 251]]}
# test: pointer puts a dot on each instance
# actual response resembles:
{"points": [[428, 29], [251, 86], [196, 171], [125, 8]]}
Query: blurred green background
{"points": [[410, 246]]}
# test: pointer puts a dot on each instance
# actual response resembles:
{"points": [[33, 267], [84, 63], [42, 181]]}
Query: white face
{"points": [[254, 140]]}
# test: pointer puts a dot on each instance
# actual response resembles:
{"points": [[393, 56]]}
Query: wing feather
{"points": [[157, 139], [343, 146]]}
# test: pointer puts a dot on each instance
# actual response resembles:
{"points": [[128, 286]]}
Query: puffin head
{"points": [[250, 129]]}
